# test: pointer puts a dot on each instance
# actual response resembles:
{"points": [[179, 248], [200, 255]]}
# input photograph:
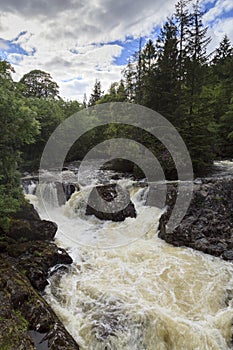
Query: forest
{"points": [[175, 75]]}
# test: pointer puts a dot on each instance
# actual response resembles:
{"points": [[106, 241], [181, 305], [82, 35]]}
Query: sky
{"points": [[79, 41]]}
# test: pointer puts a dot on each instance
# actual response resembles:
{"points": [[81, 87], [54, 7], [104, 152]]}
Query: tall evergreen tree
{"points": [[97, 93], [167, 73], [197, 56], [224, 52], [183, 19]]}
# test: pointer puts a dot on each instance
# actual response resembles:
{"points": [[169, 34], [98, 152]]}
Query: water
{"points": [[129, 290], [222, 168]]}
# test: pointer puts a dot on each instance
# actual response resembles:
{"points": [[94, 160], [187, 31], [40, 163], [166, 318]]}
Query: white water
{"points": [[143, 294]]}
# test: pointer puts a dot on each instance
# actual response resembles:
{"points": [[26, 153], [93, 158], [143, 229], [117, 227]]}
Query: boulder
{"points": [[208, 223], [26, 212], [119, 165], [32, 230], [35, 259], [105, 202]]}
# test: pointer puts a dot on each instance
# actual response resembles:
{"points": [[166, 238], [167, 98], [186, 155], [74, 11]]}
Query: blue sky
{"points": [[79, 42]]}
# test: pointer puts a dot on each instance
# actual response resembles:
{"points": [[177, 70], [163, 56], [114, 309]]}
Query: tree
{"points": [[49, 114], [167, 70], [39, 84], [5, 71], [183, 19], [224, 52], [116, 93], [96, 94], [18, 126], [129, 74], [197, 57]]}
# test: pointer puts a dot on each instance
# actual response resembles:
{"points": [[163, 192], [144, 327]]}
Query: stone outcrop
{"points": [[22, 311], [104, 202], [208, 223], [27, 256]]}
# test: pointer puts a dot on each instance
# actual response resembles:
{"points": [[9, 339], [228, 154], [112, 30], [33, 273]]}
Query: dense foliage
{"points": [[28, 115]]}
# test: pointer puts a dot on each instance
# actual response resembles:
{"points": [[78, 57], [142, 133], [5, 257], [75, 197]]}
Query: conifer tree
{"points": [[97, 93]]}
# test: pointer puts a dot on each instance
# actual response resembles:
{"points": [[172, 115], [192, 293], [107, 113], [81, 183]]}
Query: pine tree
{"points": [[197, 57], [224, 52], [96, 94], [183, 19], [167, 73], [129, 74]]}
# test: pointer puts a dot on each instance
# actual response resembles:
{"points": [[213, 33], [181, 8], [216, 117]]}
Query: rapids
{"points": [[129, 290]]}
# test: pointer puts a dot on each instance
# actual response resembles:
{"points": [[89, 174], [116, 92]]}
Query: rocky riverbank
{"points": [[27, 255], [208, 223]]}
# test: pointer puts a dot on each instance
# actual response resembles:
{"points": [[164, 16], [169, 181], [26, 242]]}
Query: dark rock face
{"points": [[208, 224], [64, 191], [26, 257], [119, 165], [32, 230], [26, 212], [35, 259], [26, 225], [22, 309], [105, 202]]}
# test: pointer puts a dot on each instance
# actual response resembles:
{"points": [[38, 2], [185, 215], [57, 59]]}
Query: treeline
{"points": [[176, 76]]}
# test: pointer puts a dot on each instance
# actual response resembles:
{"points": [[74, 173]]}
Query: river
{"points": [[129, 290]]}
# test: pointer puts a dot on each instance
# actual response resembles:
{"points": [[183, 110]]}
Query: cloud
{"points": [[76, 37], [217, 31], [220, 8], [84, 38], [37, 8], [3, 45]]}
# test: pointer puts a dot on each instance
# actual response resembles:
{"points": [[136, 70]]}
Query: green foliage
{"points": [[116, 93], [97, 93], [39, 84]]}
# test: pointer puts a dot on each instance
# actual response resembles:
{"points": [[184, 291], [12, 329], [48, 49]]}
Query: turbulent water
{"points": [[129, 290]]}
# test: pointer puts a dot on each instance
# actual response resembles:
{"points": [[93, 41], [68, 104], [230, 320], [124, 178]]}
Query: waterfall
{"points": [[129, 290]]}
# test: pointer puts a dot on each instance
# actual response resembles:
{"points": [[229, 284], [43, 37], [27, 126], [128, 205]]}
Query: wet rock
{"points": [[23, 310], [26, 212], [119, 165], [228, 255], [35, 259], [208, 223], [32, 230], [64, 191], [106, 202], [24, 270]]}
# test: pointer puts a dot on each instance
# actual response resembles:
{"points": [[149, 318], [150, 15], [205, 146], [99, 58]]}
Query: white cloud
{"points": [[54, 30], [217, 31], [65, 38], [220, 8]]}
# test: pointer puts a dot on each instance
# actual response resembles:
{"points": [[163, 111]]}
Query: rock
{"points": [[208, 223], [228, 255], [119, 165], [64, 191], [24, 270], [26, 225], [26, 212], [22, 310], [35, 259], [32, 230], [105, 202]]}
